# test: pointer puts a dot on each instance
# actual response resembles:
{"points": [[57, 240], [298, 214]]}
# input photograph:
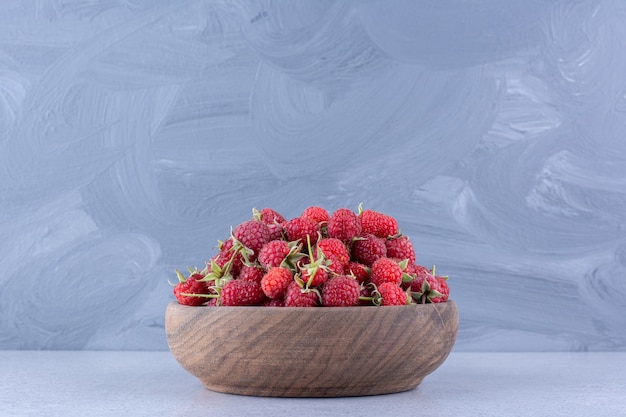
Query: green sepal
{"points": [[256, 214], [407, 277], [403, 264], [293, 256], [181, 279]]}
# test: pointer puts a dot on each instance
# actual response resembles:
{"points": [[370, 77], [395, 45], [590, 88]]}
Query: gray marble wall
{"points": [[134, 133]]}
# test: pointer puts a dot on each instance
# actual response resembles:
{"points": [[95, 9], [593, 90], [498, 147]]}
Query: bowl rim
{"points": [[174, 309], [321, 308]]}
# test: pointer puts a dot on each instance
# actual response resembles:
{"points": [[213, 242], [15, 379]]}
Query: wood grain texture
{"points": [[311, 352]]}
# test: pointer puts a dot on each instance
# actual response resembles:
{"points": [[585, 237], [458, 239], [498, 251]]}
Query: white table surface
{"points": [[91, 383]]}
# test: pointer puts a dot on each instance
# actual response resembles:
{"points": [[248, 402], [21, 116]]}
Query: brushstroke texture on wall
{"points": [[134, 133]]}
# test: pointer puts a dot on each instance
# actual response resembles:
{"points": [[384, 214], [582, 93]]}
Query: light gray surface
{"points": [[134, 133], [131, 384]]}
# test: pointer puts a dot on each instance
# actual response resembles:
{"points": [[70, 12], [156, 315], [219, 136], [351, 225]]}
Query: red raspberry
{"points": [[401, 248], [299, 228], [391, 294], [274, 302], [361, 272], [335, 251], [252, 234], [335, 267], [268, 216], [273, 253], [386, 270], [276, 231], [273, 219], [341, 291], [428, 288], [190, 285], [378, 224], [241, 293], [443, 289], [315, 274], [296, 296], [368, 248], [275, 282], [412, 271], [416, 269], [344, 225], [223, 259], [333, 248], [252, 273], [319, 214]]}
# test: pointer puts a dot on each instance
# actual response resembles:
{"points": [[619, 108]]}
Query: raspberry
{"points": [[334, 248], [190, 285], [400, 247], [274, 302], [319, 214], [335, 267], [299, 228], [361, 272], [428, 288], [390, 294], [252, 273], [443, 289], [368, 248], [344, 225], [268, 216], [273, 219], [275, 282], [412, 271], [416, 269], [378, 224], [252, 234], [273, 253], [229, 259], [313, 270], [314, 276], [241, 293], [296, 296], [276, 231], [386, 270], [341, 291], [335, 252]]}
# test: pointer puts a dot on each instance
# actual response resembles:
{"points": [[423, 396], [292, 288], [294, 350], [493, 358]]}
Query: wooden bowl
{"points": [[311, 352]]}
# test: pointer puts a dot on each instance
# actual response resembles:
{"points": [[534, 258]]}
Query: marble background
{"points": [[134, 133]]}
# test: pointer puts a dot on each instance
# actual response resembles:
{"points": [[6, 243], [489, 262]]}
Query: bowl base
{"points": [[331, 392]]}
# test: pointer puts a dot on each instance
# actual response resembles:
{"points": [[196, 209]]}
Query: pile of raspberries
{"points": [[339, 259]]}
